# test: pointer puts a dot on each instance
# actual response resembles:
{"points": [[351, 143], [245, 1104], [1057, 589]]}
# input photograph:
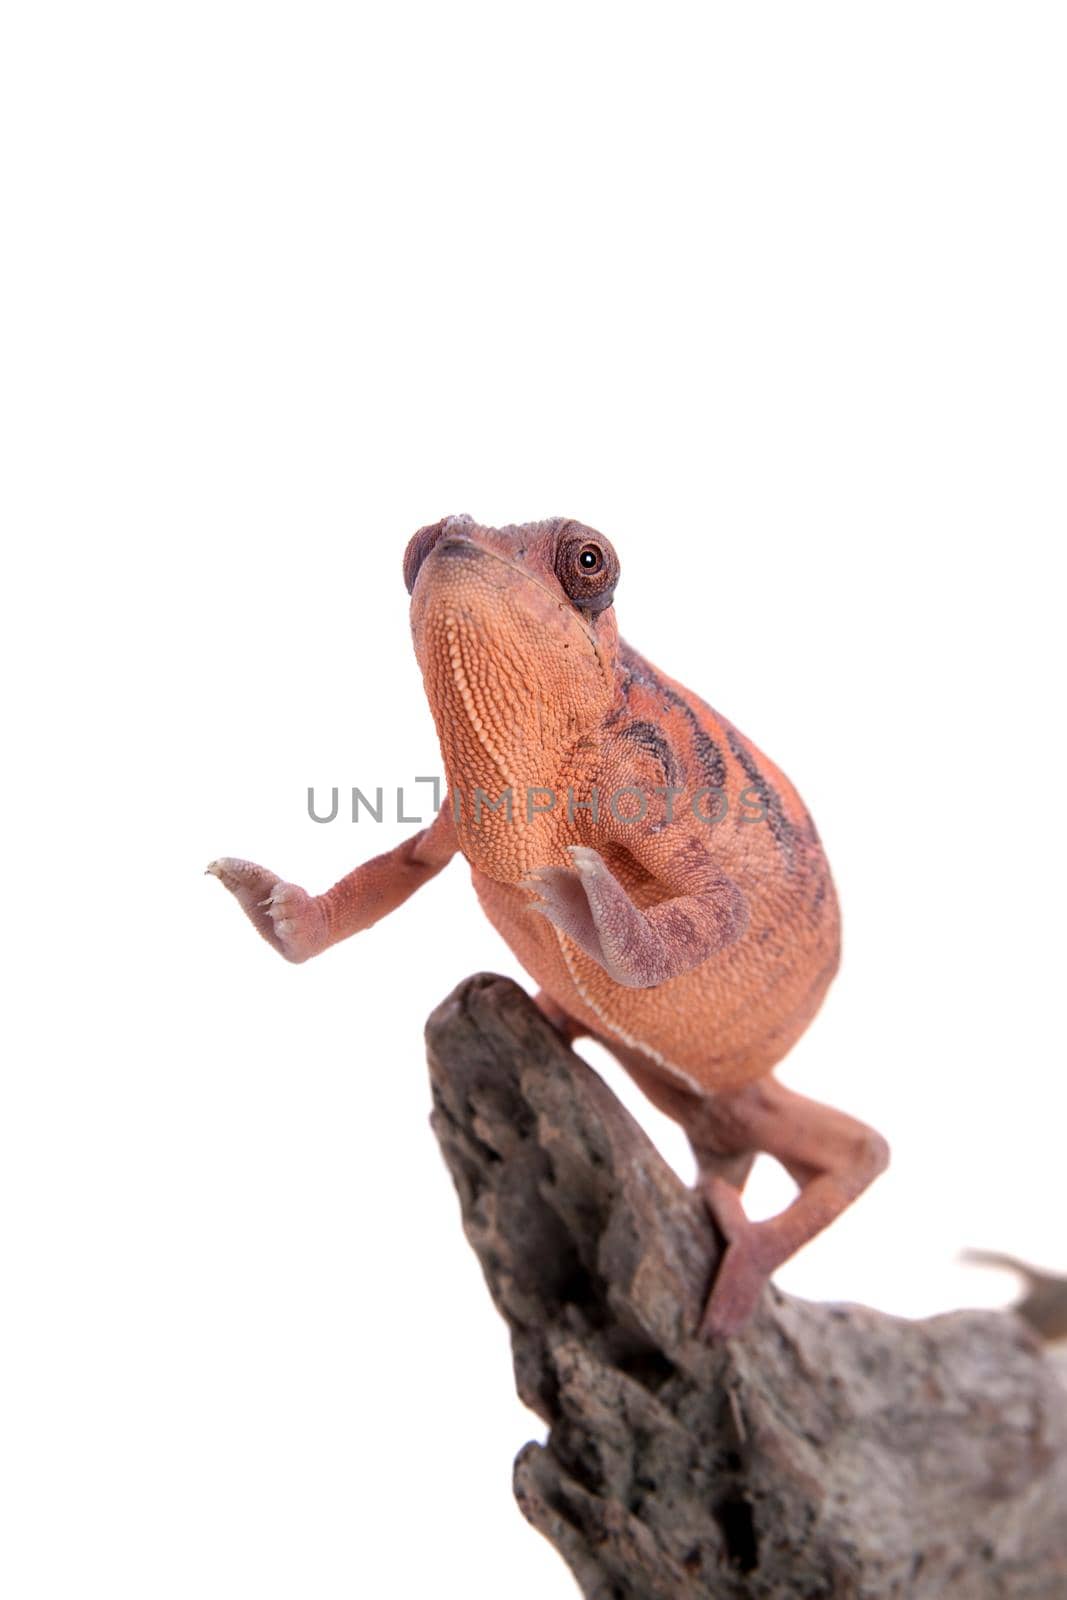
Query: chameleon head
{"points": [[515, 634]]}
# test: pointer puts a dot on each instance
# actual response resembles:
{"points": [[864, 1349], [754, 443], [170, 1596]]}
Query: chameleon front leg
{"points": [[636, 948], [299, 925]]}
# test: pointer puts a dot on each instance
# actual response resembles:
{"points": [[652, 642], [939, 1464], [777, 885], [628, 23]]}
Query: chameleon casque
{"points": [[697, 950]]}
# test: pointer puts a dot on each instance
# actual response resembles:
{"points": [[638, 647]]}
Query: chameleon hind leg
{"points": [[830, 1156], [566, 1025], [678, 1103]]}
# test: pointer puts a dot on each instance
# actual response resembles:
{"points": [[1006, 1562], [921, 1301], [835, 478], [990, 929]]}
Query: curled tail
{"points": [[1044, 1305]]}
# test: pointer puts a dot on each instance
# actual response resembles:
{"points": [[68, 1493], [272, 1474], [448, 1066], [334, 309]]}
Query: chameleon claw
{"points": [[584, 856], [287, 917], [562, 901]]}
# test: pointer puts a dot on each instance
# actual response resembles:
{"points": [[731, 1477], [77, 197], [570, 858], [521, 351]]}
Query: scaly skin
{"points": [[696, 949]]}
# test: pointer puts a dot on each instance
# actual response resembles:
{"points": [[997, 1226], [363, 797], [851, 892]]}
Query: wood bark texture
{"points": [[829, 1451]]}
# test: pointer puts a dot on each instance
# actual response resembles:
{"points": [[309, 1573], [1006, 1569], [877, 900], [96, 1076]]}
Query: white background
{"points": [[774, 295]]}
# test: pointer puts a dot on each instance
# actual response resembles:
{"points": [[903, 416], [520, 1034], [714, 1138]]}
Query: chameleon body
{"points": [[655, 873]]}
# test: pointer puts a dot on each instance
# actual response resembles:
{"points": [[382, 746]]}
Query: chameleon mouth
{"points": [[452, 547], [479, 615]]}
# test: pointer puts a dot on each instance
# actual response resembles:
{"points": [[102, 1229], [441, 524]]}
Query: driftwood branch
{"points": [[830, 1451]]}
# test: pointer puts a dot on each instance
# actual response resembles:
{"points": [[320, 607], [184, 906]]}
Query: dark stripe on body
{"points": [[653, 742], [779, 824], [709, 756]]}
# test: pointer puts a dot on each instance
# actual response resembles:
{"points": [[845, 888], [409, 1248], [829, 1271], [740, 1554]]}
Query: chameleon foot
{"points": [[564, 901], [290, 919], [747, 1263], [589, 904]]}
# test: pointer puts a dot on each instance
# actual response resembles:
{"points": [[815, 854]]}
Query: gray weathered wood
{"points": [[830, 1451]]}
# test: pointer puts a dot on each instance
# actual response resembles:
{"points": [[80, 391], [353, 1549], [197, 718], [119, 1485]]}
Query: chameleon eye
{"points": [[588, 569]]}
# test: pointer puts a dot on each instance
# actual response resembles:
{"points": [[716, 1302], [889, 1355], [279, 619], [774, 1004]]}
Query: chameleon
{"points": [[657, 876]]}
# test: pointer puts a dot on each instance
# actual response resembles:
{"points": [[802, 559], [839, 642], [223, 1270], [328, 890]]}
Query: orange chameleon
{"points": [[656, 874]]}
